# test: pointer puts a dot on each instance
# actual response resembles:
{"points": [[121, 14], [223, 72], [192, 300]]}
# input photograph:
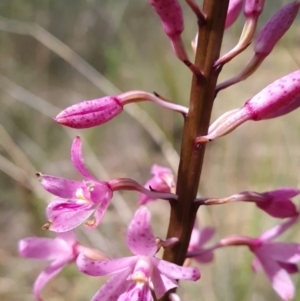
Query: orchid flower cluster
{"points": [[144, 276]]}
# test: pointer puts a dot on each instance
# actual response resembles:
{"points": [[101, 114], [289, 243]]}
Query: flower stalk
{"points": [[183, 211]]}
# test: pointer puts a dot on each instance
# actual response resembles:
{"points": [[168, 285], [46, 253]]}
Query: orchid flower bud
{"points": [[170, 13], [171, 16], [278, 98], [253, 8], [95, 112], [90, 113], [270, 34], [275, 28], [234, 9], [252, 11]]}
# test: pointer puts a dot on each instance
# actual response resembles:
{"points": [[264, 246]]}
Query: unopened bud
{"points": [[234, 9], [275, 28], [90, 113], [253, 7], [270, 34], [170, 14], [279, 98]]}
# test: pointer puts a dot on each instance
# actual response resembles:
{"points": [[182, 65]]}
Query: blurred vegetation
{"points": [[56, 53]]}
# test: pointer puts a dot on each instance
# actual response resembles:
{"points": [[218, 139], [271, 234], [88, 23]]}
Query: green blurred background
{"points": [[55, 53]]}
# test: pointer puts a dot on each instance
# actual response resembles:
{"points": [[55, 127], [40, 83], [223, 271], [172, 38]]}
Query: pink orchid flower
{"points": [[134, 277], [276, 203], [162, 181], [78, 200], [198, 239], [61, 251], [278, 259]]}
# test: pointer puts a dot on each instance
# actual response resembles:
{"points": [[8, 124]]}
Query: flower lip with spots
{"points": [[134, 277]]}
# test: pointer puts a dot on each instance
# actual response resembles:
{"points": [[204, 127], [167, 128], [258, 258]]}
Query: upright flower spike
{"points": [[95, 112], [133, 277], [278, 98], [270, 34], [78, 200], [170, 13], [162, 181], [252, 11], [60, 251]]}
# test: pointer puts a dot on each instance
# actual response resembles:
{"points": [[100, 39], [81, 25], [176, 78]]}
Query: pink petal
{"points": [[205, 235], [100, 192], [291, 268], [162, 181], [205, 257], [255, 265], [65, 216], [195, 237], [161, 283], [158, 170], [285, 252], [278, 230], [137, 291], [113, 287], [285, 192], [279, 208], [279, 278], [61, 187], [174, 271], [140, 238], [42, 248], [99, 213], [52, 270], [77, 159], [105, 267]]}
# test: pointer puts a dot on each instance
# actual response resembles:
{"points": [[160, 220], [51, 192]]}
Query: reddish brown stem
{"points": [[183, 212]]}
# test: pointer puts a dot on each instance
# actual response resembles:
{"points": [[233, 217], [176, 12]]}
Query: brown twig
{"points": [[183, 212]]}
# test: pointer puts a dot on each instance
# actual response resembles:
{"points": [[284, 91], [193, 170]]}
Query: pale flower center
{"points": [[81, 195], [140, 277]]}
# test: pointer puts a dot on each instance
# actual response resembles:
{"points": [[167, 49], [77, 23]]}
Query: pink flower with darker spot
{"points": [[162, 181], [77, 200], [278, 259], [61, 251], [135, 277]]}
